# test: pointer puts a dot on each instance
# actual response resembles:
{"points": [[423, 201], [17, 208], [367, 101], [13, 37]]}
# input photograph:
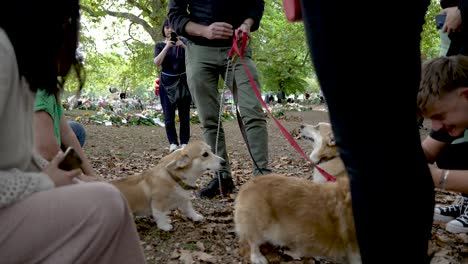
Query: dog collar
{"points": [[181, 183]]}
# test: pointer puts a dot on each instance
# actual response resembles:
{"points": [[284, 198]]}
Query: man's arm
{"points": [[432, 148], [452, 180], [255, 13], [435, 141], [180, 22], [69, 139], [178, 16], [161, 53], [44, 138], [217, 30]]}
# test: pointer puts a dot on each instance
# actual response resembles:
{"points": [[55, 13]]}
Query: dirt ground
{"points": [[121, 151]]}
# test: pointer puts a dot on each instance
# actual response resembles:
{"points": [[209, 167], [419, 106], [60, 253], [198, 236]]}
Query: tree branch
{"points": [[129, 16]]}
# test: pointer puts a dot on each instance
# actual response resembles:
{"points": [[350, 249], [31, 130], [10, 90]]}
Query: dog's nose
{"points": [[223, 162], [302, 126]]}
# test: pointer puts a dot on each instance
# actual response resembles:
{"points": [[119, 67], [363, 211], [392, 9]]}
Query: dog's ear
{"points": [[331, 140], [181, 162]]}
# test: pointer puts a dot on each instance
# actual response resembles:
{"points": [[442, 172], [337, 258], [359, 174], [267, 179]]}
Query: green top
{"points": [[462, 139], [48, 103]]}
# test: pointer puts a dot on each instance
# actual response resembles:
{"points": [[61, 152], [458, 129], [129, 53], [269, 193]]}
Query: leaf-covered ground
{"points": [[117, 152]]}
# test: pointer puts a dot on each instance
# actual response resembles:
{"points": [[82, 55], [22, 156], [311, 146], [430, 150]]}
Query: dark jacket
{"points": [[458, 40], [206, 12], [174, 62]]}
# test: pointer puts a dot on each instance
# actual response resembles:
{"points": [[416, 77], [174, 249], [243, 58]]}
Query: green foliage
{"points": [[278, 113], [430, 40], [279, 47], [135, 121], [281, 51], [190, 246], [313, 85]]}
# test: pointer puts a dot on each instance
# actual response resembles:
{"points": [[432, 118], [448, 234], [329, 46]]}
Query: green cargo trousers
{"points": [[204, 66]]}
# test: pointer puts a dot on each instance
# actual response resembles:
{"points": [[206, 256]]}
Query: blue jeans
{"points": [[79, 131]]}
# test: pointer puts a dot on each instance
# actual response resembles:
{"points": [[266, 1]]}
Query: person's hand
{"points": [[218, 30], [58, 176], [180, 43], [453, 21], [245, 27], [169, 44]]}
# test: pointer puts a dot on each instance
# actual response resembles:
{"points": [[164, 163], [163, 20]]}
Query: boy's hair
{"points": [[440, 76]]}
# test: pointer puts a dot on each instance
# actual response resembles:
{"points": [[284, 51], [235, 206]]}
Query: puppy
{"points": [[324, 150], [310, 218], [166, 186]]}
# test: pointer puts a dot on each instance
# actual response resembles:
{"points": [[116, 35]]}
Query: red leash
{"points": [[235, 51]]}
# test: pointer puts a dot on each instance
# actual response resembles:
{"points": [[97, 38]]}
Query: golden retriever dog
{"points": [[166, 186], [308, 218], [324, 150]]}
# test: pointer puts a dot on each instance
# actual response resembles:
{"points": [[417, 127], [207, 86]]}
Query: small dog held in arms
{"points": [[166, 187], [308, 218]]}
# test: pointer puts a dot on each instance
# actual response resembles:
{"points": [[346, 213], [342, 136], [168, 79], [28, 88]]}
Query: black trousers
{"points": [[368, 63], [182, 105]]}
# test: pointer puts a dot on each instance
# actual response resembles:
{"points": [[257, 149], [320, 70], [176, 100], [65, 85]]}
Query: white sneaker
{"points": [[183, 146], [173, 147], [446, 214]]}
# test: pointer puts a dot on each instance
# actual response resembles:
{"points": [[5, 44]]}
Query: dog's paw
{"points": [[197, 217], [165, 227]]}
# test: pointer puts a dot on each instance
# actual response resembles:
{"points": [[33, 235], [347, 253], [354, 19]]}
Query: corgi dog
{"points": [[308, 218], [324, 150], [167, 186]]}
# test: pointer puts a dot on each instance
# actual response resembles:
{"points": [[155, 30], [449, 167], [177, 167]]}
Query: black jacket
{"points": [[206, 12]]}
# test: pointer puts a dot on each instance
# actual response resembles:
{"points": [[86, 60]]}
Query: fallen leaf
{"points": [[205, 257], [186, 257], [200, 246]]}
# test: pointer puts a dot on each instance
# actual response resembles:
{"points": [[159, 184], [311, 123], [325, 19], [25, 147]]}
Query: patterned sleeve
{"points": [[16, 185]]}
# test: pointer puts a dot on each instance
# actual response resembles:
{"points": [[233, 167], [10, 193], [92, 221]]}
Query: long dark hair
{"points": [[44, 35], [165, 24]]}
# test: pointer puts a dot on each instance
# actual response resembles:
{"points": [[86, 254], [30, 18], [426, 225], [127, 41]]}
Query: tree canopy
{"points": [[118, 40]]}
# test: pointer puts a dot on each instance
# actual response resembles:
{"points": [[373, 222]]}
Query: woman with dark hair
{"points": [[44, 217], [173, 91]]}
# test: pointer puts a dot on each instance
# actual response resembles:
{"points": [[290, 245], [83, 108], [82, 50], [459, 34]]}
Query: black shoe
{"points": [[212, 189]]}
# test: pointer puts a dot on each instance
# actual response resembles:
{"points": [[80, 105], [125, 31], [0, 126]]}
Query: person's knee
{"points": [[79, 131], [252, 114], [109, 207]]}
